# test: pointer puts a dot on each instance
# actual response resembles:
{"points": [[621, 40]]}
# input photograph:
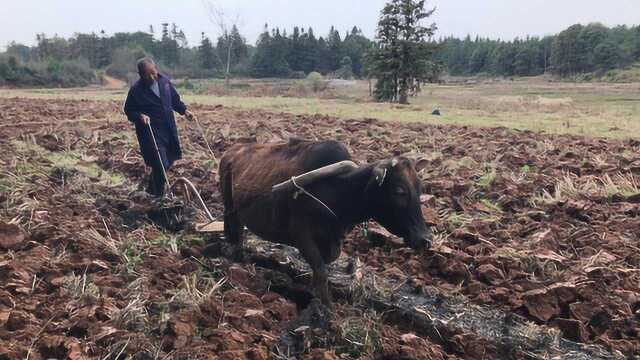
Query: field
{"points": [[536, 253], [593, 109]]}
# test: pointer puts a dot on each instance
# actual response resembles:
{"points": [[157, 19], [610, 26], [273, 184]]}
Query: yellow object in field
{"points": [[212, 227]]}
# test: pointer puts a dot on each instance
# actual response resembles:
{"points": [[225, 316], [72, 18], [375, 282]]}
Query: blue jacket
{"points": [[142, 100]]}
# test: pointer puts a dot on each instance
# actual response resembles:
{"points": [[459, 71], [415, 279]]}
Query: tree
{"points": [[169, 46], [237, 44], [324, 60], [346, 68], [308, 56], [479, 60], [568, 55], [355, 45], [635, 43], [589, 38], [402, 59], [504, 58], [334, 49], [123, 63], [206, 54], [104, 51], [225, 24], [524, 63], [268, 60], [606, 55], [22, 52]]}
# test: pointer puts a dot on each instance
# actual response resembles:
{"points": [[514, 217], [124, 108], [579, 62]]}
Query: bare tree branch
{"points": [[223, 24]]}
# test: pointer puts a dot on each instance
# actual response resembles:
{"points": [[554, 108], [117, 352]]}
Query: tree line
{"points": [[577, 50], [301, 52], [57, 61], [277, 53]]}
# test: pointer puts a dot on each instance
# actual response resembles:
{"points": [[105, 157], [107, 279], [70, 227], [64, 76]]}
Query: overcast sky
{"points": [[506, 19]]}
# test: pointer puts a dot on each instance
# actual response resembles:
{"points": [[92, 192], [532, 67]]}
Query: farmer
{"points": [[150, 105]]}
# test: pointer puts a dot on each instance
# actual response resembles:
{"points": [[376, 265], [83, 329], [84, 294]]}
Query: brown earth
{"points": [[540, 225]]}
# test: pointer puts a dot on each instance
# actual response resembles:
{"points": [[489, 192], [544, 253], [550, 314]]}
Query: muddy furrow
{"points": [[453, 322]]}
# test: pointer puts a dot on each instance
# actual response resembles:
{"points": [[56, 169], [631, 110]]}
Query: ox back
{"points": [[247, 174]]}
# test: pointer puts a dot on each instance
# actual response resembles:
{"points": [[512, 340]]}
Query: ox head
{"points": [[393, 194]]}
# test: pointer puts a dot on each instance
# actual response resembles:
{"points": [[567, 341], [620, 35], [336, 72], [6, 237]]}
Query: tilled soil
{"points": [[543, 226]]}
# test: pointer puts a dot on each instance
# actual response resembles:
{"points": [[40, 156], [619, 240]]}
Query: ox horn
{"points": [[317, 174]]}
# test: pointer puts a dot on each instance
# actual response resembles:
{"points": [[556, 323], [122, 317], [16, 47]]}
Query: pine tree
{"points": [[606, 56], [240, 51], [309, 51], [269, 60], [169, 46], [355, 45], [635, 43], [206, 54], [402, 59], [334, 49], [568, 55]]}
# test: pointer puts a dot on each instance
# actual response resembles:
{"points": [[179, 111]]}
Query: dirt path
{"points": [[109, 82]]}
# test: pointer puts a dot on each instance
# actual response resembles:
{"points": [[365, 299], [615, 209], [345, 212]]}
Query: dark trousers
{"points": [[157, 180]]}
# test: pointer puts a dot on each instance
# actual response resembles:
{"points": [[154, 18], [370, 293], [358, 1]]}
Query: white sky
{"points": [[22, 19]]}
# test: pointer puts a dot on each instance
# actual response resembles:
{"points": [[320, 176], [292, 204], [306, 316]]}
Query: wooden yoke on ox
{"points": [[297, 183], [315, 175]]}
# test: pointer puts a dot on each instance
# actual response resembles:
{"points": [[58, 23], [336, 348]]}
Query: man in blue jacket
{"points": [[151, 101]]}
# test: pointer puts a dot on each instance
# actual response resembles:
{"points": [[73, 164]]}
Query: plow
{"points": [[171, 208]]}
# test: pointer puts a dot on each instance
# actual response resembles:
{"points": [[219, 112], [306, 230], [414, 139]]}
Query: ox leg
{"points": [[312, 255], [233, 229], [232, 225]]}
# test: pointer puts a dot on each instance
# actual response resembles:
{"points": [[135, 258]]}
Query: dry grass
{"points": [[195, 289], [573, 187], [133, 316], [624, 185], [360, 336], [536, 267], [594, 109], [80, 287]]}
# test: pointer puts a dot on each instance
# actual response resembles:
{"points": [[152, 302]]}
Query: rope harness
{"points": [[303, 191]]}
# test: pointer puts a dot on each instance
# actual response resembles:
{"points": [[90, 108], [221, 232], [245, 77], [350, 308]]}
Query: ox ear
{"points": [[380, 175]]}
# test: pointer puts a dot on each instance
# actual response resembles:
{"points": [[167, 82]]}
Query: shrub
{"points": [[124, 62], [52, 73], [316, 82]]}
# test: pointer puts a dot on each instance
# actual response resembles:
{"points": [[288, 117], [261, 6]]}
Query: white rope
{"points": [[193, 188], [301, 189]]}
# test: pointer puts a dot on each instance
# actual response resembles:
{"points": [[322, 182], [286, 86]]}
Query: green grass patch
{"points": [[491, 205], [592, 109], [78, 162], [486, 180]]}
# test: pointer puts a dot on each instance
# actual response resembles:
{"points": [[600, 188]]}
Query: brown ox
{"points": [[387, 191]]}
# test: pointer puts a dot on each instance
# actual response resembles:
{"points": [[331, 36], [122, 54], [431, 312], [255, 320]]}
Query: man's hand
{"points": [[145, 119], [189, 115]]}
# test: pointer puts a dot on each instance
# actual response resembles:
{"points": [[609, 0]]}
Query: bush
{"points": [[124, 62], [75, 73], [52, 73], [345, 72], [316, 82]]}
